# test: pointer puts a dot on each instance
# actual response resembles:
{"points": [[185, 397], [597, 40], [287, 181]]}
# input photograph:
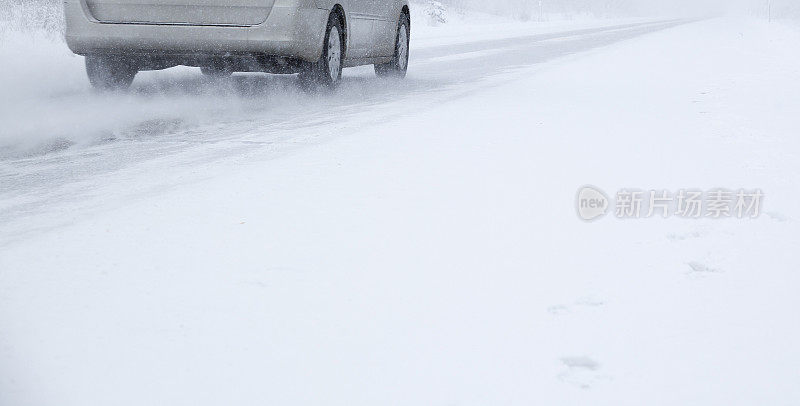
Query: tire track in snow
{"points": [[271, 118]]}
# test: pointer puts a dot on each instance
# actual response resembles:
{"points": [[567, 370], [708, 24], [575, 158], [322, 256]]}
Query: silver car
{"points": [[315, 38]]}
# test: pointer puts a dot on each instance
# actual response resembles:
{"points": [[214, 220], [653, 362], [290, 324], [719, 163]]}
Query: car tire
{"points": [[110, 72], [327, 71], [398, 66]]}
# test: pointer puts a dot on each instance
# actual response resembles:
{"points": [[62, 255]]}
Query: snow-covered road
{"points": [[65, 146], [415, 242]]}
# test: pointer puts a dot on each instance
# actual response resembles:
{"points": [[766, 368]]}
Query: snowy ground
{"points": [[413, 242]]}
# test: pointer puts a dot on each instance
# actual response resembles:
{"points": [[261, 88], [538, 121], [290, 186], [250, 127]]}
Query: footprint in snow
{"points": [[684, 237], [581, 371], [697, 269], [584, 302], [558, 310], [777, 216]]}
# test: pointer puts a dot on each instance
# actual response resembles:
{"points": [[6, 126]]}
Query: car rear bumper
{"points": [[292, 29]]}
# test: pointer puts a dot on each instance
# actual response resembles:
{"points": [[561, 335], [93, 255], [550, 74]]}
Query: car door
{"points": [[360, 28], [384, 26], [190, 12]]}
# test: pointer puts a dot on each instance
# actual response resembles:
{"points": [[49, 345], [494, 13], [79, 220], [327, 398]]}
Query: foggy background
{"points": [[548, 9], [25, 15]]}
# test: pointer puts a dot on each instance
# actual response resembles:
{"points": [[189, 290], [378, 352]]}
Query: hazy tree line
{"points": [[546, 9], [536, 9]]}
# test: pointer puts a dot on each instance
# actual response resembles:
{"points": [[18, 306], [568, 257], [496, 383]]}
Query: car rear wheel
{"points": [[110, 72], [398, 66], [327, 71]]}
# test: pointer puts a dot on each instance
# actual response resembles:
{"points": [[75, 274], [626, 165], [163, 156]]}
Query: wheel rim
{"points": [[402, 48], [334, 54]]}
